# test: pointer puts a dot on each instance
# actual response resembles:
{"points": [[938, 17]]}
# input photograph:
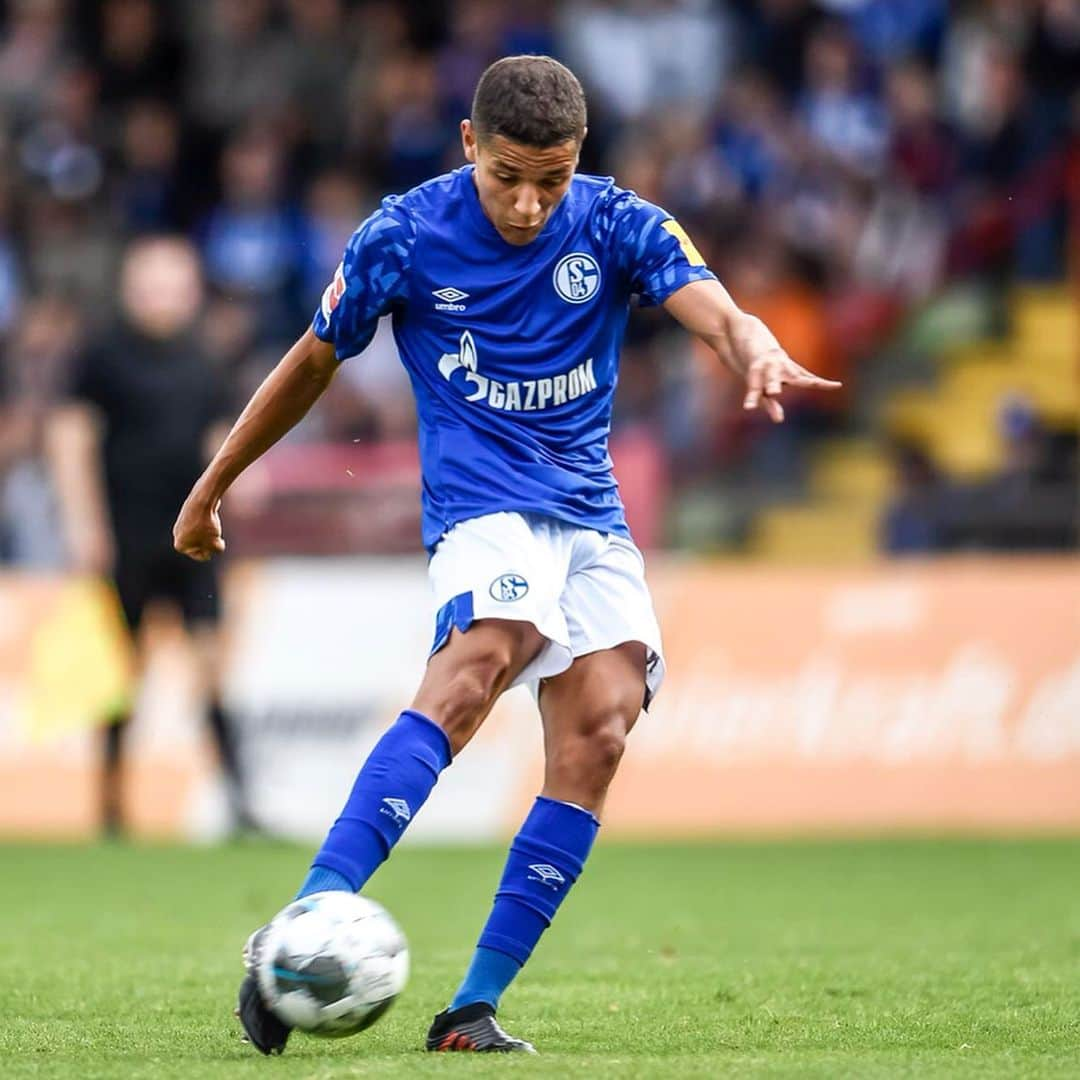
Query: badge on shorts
{"points": [[508, 587]]}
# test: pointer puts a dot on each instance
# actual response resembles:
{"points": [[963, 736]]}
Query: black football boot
{"points": [[473, 1027]]}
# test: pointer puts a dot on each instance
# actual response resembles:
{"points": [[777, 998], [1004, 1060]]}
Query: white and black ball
{"points": [[332, 963]]}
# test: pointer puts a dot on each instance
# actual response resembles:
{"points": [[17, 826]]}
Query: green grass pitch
{"points": [[830, 959]]}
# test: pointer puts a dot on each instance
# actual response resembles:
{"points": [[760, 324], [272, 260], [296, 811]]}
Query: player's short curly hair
{"points": [[530, 99]]}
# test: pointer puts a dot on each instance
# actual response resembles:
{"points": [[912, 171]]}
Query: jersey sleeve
{"points": [[655, 253], [369, 280]]}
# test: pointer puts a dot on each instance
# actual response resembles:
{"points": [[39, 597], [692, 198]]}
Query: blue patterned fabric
{"points": [[512, 350]]}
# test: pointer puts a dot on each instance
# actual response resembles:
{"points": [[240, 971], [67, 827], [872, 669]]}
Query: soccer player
{"points": [[509, 281]]}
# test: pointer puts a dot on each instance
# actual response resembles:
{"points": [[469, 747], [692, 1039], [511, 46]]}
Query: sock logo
{"points": [[547, 875], [398, 809]]}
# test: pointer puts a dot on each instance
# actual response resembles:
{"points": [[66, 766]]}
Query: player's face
{"points": [[519, 185]]}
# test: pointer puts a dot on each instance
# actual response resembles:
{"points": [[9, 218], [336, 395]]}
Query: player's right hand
{"points": [[197, 532]]}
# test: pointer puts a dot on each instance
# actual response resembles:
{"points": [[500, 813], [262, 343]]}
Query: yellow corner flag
{"points": [[80, 667]]}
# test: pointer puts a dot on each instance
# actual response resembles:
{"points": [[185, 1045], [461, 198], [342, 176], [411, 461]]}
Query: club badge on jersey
{"points": [[577, 277]]}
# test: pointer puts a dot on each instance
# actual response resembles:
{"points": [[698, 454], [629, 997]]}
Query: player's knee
{"points": [[468, 693], [587, 758], [604, 749]]}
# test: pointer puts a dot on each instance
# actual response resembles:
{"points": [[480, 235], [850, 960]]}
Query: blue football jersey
{"points": [[512, 351]]}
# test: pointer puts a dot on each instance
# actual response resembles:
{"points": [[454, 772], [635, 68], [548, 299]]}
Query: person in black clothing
{"points": [[128, 442]]}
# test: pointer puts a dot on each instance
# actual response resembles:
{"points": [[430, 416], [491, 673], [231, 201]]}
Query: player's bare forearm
{"points": [[279, 404], [743, 343], [707, 310]]}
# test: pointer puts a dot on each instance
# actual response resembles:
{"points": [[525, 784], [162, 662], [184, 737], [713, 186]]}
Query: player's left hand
{"points": [[197, 532], [768, 374]]}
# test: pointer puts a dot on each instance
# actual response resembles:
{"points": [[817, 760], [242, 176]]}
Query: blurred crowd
{"points": [[839, 162]]}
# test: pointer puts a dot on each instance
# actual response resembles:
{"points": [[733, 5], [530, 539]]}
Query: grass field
{"points": [[853, 959]]}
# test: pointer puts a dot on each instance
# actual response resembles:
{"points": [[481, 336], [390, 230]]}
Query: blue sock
{"points": [[545, 859], [489, 974], [393, 784], [320, 879]]}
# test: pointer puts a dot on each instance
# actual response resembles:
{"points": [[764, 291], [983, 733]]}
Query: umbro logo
{"points": [[451, 299], [547, 875], [450, 294], [398, 809]]}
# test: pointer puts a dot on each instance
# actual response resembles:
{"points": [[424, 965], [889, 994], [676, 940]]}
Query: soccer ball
{"points": [[332, 963]]}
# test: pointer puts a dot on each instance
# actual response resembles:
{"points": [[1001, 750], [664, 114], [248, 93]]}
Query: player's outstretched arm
{"points": [[744, 343], [279, 404]]}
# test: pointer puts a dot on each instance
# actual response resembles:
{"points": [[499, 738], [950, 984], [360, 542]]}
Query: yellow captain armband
{"points": [[693, 256]]}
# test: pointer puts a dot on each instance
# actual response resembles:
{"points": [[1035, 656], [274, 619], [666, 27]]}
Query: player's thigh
{"points": [[465, 676], [600, 694]]}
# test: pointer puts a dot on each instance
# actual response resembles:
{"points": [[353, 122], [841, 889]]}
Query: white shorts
{"points": [[583, 590]]}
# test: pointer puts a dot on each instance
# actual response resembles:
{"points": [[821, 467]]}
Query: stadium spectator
{"points": [[322, 55], [775, 34], [914, 519], [754, 138], [252, 240], [412, 139], [73, 251], [842, 117], [62, 148], [1030, 503], [921, 150], [147, 191], [335, 201], [241, 63], [11, 276], [638, 58], [35, 47], [136, 55], [474, 34], [891, 28], [35, 363], [1052, 57]]}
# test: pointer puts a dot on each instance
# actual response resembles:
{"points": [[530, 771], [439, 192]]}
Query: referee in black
{"points": [[130, 438]]}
